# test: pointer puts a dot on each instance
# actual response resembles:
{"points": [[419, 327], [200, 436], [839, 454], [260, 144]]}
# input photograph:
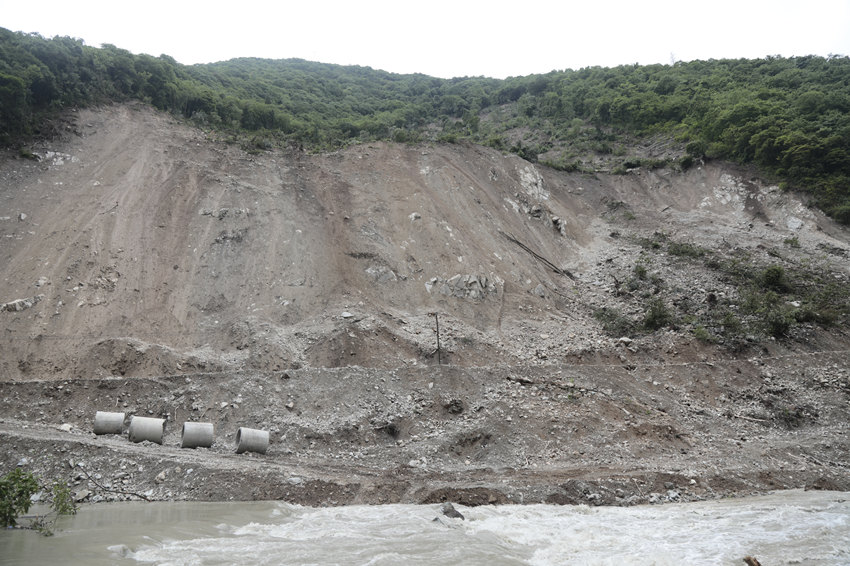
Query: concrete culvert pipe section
{"points": [[147, 428], [251, 440], [108, 423], [197, 435]]}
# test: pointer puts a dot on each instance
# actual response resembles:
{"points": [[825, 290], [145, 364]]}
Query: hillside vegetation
{"points": [[789, 116]]}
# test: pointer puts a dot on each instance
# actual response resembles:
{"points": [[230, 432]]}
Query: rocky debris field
{"points": [[595, 433], [604, 339]]}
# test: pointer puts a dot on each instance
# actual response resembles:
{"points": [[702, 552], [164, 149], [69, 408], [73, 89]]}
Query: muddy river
{"points": [[792, 527]]}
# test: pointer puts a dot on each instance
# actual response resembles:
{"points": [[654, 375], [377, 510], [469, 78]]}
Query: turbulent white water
{"points": [[793, 527]]}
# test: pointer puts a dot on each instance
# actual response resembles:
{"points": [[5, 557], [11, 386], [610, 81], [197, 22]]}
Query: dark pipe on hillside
{"points": [[439, 355]]}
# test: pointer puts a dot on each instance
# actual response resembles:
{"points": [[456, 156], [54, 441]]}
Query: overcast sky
{"points": [[446, 38]]}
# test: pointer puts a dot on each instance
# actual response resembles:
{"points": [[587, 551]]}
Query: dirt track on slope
{"points": [[166, 273]]}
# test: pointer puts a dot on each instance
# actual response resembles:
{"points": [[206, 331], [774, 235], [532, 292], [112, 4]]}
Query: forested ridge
{"points": [[788, 116]]}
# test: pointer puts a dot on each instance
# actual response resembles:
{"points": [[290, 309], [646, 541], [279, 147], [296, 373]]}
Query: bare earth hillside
{"points": [[150, 268]]}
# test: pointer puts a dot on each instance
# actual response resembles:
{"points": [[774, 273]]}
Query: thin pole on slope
{"points": [[437, 321]]}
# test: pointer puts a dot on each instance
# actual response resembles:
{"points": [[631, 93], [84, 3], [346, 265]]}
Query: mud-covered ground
{"points": [[153, 269], [598, 433]]}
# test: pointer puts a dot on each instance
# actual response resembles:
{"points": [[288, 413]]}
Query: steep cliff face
{"points": [[594, 330], [142, 247]]}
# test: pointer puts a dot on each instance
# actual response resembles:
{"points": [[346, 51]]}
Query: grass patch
{"points": [[657, 315], [685, 249], [615, 323]]}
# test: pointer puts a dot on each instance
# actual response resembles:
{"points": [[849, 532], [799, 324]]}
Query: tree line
{"points": [[788, 116]]}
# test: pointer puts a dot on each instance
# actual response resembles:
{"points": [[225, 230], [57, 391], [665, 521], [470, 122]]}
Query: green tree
{"points": [[13, 106], [16, 491]]}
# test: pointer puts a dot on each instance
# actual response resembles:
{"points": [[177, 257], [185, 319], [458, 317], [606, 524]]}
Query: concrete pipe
{"points": [[147, 428], [196, 435], [251, 440], [108, 423]]}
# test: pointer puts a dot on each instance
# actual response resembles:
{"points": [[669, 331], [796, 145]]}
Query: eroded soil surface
{"points": [[152, 269]]}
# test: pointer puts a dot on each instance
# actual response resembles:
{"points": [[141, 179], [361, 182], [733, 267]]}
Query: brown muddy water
{"points": [[792, 527]]}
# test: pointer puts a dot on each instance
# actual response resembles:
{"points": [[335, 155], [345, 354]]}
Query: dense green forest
{"points": [[788, 116]]}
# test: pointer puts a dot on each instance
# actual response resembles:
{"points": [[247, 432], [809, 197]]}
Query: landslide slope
{"points": [[144, 247], [150, 267]]}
